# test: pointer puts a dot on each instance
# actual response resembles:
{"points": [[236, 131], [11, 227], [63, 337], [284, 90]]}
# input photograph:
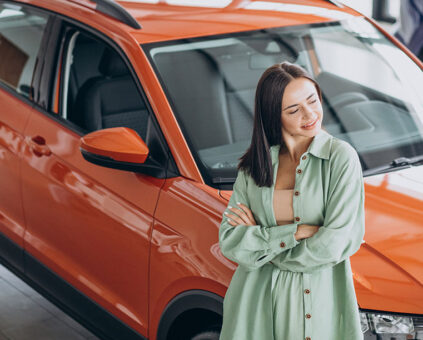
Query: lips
{"points": [[310, 124]]}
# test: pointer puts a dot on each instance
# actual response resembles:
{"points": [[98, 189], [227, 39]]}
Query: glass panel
{"points": [[99, 90], [21, 31], [372, 91]]}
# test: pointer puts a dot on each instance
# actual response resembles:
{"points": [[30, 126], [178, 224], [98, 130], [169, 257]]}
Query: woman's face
{"points": [[300, 107]]}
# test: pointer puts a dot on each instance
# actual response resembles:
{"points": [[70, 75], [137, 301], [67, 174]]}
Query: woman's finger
{"points": [[248, 212], [241, 220], [232, 223], [244, 217], [234, 218]]}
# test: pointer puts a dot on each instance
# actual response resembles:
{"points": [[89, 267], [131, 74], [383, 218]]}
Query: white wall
{"points": [[363, 6], [366, 6]]}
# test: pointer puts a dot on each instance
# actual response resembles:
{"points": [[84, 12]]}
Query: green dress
{"points": [[284, 289]]}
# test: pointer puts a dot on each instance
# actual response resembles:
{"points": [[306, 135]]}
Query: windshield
{"points": [[372, 91]]}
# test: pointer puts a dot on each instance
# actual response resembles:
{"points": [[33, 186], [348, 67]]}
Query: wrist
{"points": [[298, 235]]}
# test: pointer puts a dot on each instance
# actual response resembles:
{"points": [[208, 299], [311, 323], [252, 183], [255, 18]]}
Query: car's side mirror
{"points": [[118, 148]]}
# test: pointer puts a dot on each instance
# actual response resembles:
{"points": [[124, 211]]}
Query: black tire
{"points": [[212, 333]]}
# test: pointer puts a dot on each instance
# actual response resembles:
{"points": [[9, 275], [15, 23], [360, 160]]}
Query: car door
{"points": [[22, 30], [91, 225]]}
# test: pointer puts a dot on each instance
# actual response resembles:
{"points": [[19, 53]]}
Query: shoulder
{"points": [[344, 159], [342, 152], [241, 179]]}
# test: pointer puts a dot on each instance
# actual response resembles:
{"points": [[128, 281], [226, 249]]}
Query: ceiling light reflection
{"points": [[292, 8]]}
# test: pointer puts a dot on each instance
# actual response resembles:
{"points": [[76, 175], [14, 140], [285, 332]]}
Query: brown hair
{"points": [[267, 129]]}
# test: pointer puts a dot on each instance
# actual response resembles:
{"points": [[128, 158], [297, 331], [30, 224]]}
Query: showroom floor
{"points": [[26, 315]]}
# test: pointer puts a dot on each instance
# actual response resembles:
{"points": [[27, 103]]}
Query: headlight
{"points": [[379, 326], [392, 324]]}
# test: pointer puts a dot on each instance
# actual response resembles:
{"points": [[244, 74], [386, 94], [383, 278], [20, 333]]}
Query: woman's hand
{"points": [[241, 215], [306, 231]]}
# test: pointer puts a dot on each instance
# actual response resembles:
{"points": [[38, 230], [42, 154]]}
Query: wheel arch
{"points": [[184, 302]]}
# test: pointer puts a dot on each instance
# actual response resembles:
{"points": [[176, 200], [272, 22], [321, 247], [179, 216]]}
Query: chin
{"points": [[313, 132]]}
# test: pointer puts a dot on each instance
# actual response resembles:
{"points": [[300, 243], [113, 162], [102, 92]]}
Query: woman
{"points": [[295, 217]]}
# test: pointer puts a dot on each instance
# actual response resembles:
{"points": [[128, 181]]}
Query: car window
{"points": [[377, 109], [97, 88], [21, 32], [92, 88], [372, 67]]}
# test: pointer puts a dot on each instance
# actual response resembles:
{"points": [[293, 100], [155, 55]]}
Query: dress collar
{"points": [[319, 146]]}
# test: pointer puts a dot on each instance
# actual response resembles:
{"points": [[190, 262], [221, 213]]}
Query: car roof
{"points": [[163, 20]]}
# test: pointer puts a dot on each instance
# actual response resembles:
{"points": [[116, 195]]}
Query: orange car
{"points": [[121, 125]]}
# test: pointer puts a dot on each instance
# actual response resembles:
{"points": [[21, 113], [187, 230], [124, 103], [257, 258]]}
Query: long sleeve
{"points": [[252, 246], [342, 231]]}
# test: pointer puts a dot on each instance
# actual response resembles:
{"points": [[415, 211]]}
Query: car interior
{"points": [[212, 87], [101, 91]]}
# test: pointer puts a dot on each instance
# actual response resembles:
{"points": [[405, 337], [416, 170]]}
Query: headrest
{"points": [[111, 64]]}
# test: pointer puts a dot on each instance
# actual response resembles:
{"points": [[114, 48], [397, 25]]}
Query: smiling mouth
{"points": [[310, 124]]}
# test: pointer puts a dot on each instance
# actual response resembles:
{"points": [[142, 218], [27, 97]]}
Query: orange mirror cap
{"points": [[120, 143]]}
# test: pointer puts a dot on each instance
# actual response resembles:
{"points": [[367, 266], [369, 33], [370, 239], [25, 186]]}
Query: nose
{"points": [[309, 113]]}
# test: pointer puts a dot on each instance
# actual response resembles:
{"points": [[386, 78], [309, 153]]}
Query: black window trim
{"points": [[45, 77]]}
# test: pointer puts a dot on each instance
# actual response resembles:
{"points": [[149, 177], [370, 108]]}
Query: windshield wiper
{"points": [[397, 163], [225, 183]]}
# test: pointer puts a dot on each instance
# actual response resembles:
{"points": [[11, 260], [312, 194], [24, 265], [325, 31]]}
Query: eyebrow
{"points": [[298, 104]]}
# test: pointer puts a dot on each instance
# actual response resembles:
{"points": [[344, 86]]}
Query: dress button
{"points": [[304, 157], [297, 193], [307, 291], [308, 316], [282, 244], [299, 171], [308, 338], [297, 218]]}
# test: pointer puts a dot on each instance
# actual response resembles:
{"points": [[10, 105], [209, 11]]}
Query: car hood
{"points": [[388, 268], [394, 218]]}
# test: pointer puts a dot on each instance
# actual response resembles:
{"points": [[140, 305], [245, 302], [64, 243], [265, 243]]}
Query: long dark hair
{"points": [[267, 130]]}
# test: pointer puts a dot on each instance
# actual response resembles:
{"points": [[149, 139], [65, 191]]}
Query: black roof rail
{"points": [[113, 9], [336, 3]]}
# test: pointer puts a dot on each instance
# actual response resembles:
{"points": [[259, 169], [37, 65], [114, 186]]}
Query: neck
{"points": [[294, 146]]}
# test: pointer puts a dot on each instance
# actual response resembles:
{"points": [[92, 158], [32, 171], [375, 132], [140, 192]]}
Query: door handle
{"points": [[38, 146]]}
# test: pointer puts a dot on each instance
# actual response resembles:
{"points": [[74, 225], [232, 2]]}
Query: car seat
{"points": [[111, 99]]}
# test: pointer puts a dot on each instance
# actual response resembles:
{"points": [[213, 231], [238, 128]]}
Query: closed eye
{"points": [[312, 102]]}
